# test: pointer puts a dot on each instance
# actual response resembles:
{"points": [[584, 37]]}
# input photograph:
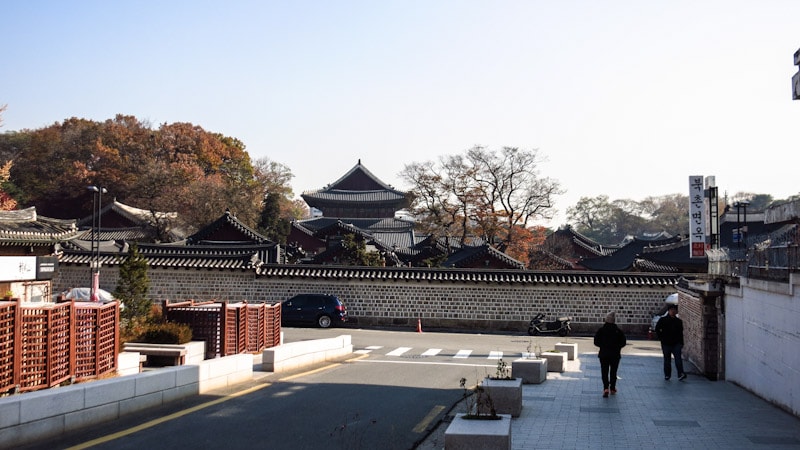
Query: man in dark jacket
{"points": [[610, 339], [670, 331]]}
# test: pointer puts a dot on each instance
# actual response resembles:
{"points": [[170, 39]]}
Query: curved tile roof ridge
{"points": [[230, 219], [469, 275], [597, 251], [585, 239], [365, 171]]}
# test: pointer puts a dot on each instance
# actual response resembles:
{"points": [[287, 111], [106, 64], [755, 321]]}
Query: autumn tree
{"points": [[489, 194], [7, 203], [510, 192], [177, 167]]}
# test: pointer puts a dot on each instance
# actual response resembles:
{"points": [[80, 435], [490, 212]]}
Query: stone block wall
{"points": [[445, 302]]}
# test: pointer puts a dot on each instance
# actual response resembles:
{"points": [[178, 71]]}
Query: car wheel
{"points": [[324, 321]]}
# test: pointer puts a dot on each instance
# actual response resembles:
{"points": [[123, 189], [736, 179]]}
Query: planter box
{"points": [[471, 434], [555, 361], [531, 371], [506, 395], [570, 349]]}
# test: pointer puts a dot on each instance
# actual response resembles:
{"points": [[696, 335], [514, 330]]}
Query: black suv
{"points": [[315, 309]]}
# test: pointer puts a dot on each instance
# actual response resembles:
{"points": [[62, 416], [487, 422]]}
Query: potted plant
{"points": [[556, 361], [529, 368], [504, 390], [481, 427]]}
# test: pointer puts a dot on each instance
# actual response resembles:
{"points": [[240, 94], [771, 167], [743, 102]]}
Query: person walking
{"points": [[610, 339], [670, 332]]}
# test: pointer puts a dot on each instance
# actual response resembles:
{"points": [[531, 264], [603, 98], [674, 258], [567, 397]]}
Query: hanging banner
{"points": [[697, 217]]}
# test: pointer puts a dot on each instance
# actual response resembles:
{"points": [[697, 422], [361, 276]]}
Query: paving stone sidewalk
{"points": [[568, 412]]}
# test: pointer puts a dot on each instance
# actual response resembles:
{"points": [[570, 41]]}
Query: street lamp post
{"points": [[94, 263], [741, 229]]}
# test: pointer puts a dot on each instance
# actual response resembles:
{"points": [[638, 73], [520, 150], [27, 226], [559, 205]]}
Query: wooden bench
{"points": [[165, 351]]}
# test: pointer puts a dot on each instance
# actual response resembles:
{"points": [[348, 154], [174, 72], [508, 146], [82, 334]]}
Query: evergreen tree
{"points": [[270, 223], [133, 285]]}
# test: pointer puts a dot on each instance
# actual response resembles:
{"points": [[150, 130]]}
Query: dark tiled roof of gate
{"points": [[469, 275], [193, 257]]}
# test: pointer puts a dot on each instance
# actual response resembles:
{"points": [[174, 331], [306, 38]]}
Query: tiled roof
{"points": [[469, 275], [134, 234], [357, 186], [25, 227], [359, 178], [468, 254], [338, 196], [226, 220], [197, 256], [131, 213], [376, 224]]}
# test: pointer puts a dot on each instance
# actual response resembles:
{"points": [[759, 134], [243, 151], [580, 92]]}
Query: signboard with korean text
{"points": [[17, 268], [697, 219]]}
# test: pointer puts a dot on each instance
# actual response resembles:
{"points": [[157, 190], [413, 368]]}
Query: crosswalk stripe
{"points": [[463, 354], [431, 352], [398, 351], [495, 355], [367, 350]]}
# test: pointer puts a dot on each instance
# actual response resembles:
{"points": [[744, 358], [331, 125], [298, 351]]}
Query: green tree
{"points": [[271, 224], [354, 252], [610, 222], [133, 286]]}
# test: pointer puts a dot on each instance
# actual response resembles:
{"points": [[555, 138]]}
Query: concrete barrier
{"points": [[44, 414], [297, 354], [47, 413]]}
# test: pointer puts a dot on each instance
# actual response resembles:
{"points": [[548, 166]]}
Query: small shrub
{"points": [[503, 371], [166, 333]]}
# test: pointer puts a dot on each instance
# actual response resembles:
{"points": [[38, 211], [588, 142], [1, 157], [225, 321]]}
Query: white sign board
{"points": [[697, 217], [17, 268]]}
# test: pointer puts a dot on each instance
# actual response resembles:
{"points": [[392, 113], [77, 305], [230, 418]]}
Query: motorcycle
{"points": [[560, 326]]}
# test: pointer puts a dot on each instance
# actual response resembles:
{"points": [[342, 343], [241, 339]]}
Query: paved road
{"points": [[402, 388]]}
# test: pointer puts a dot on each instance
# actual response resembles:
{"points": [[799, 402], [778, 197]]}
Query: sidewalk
{"points": [[568, 411]]}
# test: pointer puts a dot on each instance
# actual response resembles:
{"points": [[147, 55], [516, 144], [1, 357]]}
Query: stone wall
{"points": [[501, 303], [701, 335]]}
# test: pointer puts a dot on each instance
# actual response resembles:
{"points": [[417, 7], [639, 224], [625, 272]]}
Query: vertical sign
{"points": [[796, 77], [697, 222]]}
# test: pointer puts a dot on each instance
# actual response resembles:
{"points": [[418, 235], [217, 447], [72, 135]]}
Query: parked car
{"points": [[672, 299], [313, 309]]}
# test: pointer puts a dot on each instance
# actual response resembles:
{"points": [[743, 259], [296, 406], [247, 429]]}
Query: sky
{"points": [[620, 98]]}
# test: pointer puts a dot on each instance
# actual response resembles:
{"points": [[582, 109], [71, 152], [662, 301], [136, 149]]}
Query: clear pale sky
{"points": [[623, 98]]}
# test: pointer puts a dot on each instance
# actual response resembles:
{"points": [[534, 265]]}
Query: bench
{"points": [[165, 352]]}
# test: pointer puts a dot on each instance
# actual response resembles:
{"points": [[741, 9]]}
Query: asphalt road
{"points": [[389, 394]]}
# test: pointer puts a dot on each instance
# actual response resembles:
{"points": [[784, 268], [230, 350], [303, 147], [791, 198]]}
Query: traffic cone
{"points": [[419, 325]]}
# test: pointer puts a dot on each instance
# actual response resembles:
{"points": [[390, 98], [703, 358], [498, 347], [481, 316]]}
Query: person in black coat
{"points": [[670, 331], [610, 339]]}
